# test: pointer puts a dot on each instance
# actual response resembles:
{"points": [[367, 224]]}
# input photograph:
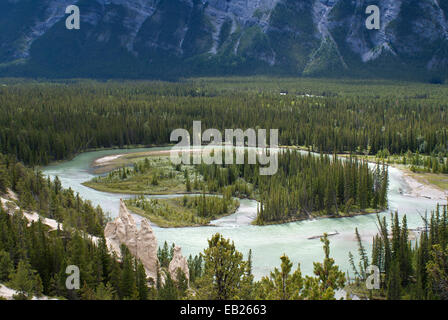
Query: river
{"points": [[268, 243]]}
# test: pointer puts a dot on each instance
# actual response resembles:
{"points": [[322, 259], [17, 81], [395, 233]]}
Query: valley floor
{"points": [[173, 185]]}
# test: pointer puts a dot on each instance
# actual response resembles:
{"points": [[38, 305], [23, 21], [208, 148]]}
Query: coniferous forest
{"points": [[347, 131], [305, 185], [44, 122], [33, 259], [208, 159], [409, 269]]}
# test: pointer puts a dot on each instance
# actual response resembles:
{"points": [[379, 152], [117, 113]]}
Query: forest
{"points": [[305, 186], [41, 122], [33, 261], [410, 270], [48, 198], [46, 121]]}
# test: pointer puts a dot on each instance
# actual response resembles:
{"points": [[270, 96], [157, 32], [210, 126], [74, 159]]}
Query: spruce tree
{"points": [[394, 282]]}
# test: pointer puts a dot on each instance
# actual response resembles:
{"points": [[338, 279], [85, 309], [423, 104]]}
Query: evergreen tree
{"points": [[128, 286], [24, 281], [281, 284], [104, 292], [169, 290], [142, 283], [224, 270], [394, 282], [6, 266]]}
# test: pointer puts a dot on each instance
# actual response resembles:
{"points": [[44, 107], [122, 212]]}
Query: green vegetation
{"points": [[157, 175], [307, 185], [282, 285], [47, 198], [304, 186], [408, 270], [438, 180], [33, 261], [357, 116], [416, 162], [429, 169], [153, 175], [388, 123], [183, 211], [226, 275], [26, 282]]}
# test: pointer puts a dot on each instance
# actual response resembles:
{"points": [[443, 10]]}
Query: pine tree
{"points": [[6, 266], [437, 269], [188, 183], [421, 262], [115, 278], [181, 283], [328, 276], [24, 281], [128, 287], [224, 270], [169, 290], [394, 282], [142, 283], [281, 284], [104, 292]]}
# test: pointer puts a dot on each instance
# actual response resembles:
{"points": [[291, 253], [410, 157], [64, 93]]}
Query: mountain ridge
{"points": [[181, 38]]}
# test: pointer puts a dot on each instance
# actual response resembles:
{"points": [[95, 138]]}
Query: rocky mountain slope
{"points": [[177, 38]]}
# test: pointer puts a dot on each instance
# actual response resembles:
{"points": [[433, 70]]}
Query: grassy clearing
{"points": [[127, 160], [186, 211], [148, 175], [438, 180]]}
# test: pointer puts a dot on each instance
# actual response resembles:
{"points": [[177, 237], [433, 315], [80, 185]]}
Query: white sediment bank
{"points": [[106, 160], [420, 190], [8, 294]]}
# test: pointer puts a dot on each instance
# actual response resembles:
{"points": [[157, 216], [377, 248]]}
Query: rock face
{"points": [[177, 262], [141, 243], [162, 38], [147, 249]]}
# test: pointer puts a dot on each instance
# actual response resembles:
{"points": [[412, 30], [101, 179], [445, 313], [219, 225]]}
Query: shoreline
{"points": [[73, 156], [409, 177], [422, 190], [314, 217], [416, 189]]}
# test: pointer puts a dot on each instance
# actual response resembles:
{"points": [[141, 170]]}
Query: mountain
{"points": [[180, 38]]}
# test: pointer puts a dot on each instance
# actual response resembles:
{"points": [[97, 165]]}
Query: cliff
{"points": [[142, 243]]}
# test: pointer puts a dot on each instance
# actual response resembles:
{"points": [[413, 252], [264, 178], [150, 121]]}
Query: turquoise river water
{"points": [[268, 243]]}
